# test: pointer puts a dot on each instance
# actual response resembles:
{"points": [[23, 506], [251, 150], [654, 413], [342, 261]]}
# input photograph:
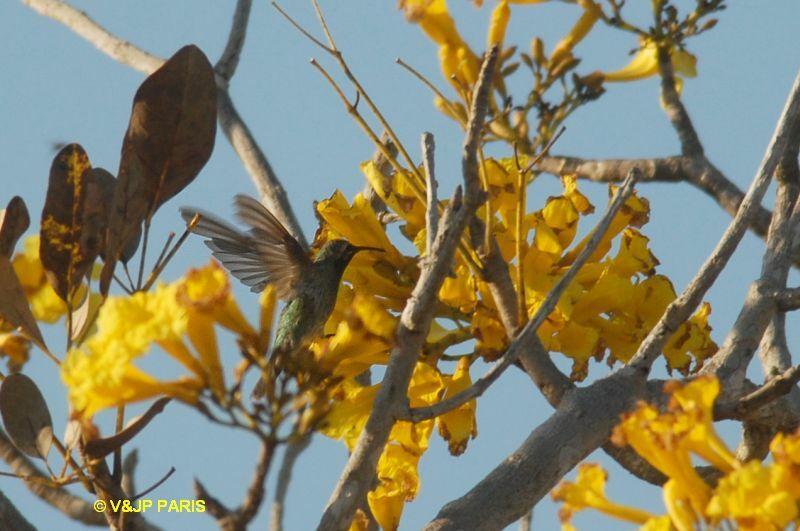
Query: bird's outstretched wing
{"points": [[266, 254]]}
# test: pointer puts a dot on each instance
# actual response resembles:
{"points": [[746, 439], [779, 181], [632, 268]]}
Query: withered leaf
{"points": [[14, 221], [73, 218], [25, 416], [14, 307], [105, 184], [169, 139]]}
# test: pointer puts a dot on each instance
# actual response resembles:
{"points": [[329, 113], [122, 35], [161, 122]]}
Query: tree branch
{"points": [[733, 357], [359, 473], [227, 63], [293, 451], [111, 45], [673, 106], [70, 505], [432, 208]]}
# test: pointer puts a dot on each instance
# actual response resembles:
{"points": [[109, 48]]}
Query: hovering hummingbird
{"points": [[268, 254]]}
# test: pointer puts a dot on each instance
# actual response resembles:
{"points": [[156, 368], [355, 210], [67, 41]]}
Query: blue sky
{"points": [[58, 88]]}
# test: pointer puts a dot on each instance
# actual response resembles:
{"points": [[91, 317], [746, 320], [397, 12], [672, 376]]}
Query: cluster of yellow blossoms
{"points": [[749, 496], [461, 65]]}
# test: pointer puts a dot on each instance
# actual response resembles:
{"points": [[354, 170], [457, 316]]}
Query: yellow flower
{"points": [[46, 305], [457, 427], [645, 64], [498, 24], [364, 335], [207, 290], [349, 412], [16, 348], [399, 482], [693, 336], [653, 437], [489, 332], [101, 373], [588, 492], [457, 60], [563, 50], [460, 292], [753, 498]]}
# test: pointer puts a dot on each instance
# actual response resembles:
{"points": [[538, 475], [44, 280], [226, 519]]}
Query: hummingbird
{"points": [[268, 254]]}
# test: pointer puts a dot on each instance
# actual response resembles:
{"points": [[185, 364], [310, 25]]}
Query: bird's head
{"points": [[341, 252]]}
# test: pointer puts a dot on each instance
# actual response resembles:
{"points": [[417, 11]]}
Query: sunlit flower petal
{"points": [[459, 426]]}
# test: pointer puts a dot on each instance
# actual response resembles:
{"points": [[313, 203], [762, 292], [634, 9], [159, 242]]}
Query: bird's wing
{"points": [[258, 258]]}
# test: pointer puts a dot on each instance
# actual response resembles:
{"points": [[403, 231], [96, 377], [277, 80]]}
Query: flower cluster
{"points": [[178, 317], [752, 495]]}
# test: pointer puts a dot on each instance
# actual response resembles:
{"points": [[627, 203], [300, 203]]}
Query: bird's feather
{"points": [[266, 254]]}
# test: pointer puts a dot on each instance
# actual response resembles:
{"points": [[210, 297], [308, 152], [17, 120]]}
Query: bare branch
{"points": [[432, 210], [226, 66], [359, 473], [676, 112], [293, 451], [111, 45], [683, 306], [72, 506], [772, 390], [733, 357], [238, 519], [787, 299]]}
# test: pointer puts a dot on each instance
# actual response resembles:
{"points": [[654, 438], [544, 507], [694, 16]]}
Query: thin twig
{"points": [[432, 209], [772, 390], [417, 74], [155, 485], [229, 60], [293, 451]]}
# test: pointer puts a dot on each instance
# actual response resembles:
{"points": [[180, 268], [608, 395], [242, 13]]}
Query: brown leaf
{"points": [[25, 416], [169, 139], [14, 307], [104, 189], [14, 221], [73, 218]]}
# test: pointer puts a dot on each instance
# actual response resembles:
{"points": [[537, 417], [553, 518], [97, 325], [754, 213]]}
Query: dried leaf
{"points": [[73, 218], [14, 221], [25, 416], [169, 139], [14, 307], [105, 184]]}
